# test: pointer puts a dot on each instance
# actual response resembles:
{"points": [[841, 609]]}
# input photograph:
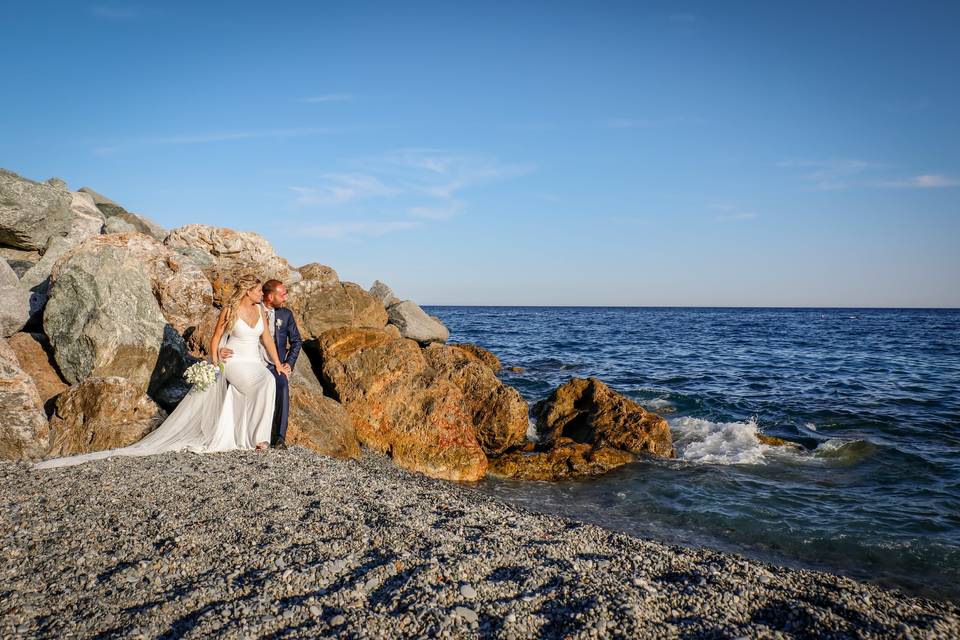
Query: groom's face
{"points": [[277, 297]]}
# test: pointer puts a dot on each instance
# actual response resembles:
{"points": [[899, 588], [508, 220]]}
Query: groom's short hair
{"points": [[270, 286]]}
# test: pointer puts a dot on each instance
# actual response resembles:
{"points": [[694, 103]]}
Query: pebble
{"points": [[132, 547]]}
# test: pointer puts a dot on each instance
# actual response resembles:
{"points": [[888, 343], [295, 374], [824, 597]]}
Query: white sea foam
{"points": [[531, 430], [703, 441]]}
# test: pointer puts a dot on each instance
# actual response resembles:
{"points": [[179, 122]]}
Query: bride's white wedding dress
{"points": [[235, 412]]}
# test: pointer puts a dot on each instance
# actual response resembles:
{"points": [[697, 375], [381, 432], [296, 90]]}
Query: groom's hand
{"points": [[225, 353], [285, 369]]}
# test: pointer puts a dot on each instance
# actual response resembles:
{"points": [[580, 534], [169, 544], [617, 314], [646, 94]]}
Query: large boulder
{"points": [[316, 421], [20, 260], [36, 359], [14, 301], [588, 411], [230, 254], [584, 428], [102, 317], [167, 384], [382, 292], [180, 288], [414, 323], [399, 404], [86, 221], [23, 423], [481, 355], [499, 413], [101, 413], [319, 306], [31, 212], [318, 273], [119, 220]]}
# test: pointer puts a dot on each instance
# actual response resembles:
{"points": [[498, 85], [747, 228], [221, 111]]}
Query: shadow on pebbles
{"points": [[291, 544]]}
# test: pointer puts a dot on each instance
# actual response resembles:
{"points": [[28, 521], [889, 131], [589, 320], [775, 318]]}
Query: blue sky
{"points": [[574, 153]]}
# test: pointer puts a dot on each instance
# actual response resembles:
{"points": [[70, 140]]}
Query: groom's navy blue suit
{"points": [[286, 336]]}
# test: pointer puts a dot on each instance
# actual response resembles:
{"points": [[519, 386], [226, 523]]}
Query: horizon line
{"points": [[619, 306]]}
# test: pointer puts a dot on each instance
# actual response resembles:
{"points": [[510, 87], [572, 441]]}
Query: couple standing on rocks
{"points": [[257, 342]]}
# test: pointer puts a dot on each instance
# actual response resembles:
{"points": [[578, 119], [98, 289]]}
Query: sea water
{"points": [[872, 395]]}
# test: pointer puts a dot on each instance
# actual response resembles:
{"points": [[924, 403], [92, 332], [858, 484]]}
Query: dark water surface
{"points": [[873, 395]]}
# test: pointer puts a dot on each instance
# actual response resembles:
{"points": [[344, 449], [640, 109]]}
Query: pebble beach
{"points": [[292, 544]]}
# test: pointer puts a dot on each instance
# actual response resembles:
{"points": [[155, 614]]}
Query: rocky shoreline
{"points": [[296, 544]]}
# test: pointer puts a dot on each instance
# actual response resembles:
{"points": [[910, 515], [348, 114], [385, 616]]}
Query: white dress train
{"points": [[235, 412]]}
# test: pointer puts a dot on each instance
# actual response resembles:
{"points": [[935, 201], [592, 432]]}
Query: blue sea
{"points": [[873, 395]]}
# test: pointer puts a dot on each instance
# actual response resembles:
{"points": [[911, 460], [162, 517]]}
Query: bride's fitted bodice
{"points": [[244, 340]]}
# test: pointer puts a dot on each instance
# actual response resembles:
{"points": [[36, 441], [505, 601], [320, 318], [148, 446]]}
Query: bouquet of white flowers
{"points": [[202, 374]]}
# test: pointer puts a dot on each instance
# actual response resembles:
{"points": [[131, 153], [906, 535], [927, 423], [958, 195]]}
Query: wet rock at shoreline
{"points": [[564, 460], [499, 413]]}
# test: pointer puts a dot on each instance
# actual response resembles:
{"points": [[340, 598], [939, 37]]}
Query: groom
{"points": [[286, 336]]}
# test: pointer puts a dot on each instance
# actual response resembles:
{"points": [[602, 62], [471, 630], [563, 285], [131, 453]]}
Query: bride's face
{"points": [[255, 294]]}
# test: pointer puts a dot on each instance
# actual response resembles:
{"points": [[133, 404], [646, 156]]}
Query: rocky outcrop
{"points": [[588, 411], [399, 404], [102, 317], [480, 355], [178, 285], [119, 220], [316, 421], [23, 423], [585, 428], [101, 413], [87, 221], [774, 441], [230, 254], [167, 385], [31, 212], [414, 323], [318, 273], [320, 306], [14, 302], [565, 460], [383, 293], [36, 359], [499, 413]]}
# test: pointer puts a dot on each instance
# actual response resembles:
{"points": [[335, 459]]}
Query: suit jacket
{"points": [[286, 337]]}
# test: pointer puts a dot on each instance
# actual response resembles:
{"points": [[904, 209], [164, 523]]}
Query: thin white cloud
{"points": [[437, 213], [330, 97], [340, 188], [830, 174], [929, 181], [115, 146], [345, 229]]}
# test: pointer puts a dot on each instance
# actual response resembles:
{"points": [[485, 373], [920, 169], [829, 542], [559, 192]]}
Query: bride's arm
{"points": [[214, 349], [268, 344]]}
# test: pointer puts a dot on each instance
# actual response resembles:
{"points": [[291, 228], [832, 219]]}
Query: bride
{"points": [[236, 411]]}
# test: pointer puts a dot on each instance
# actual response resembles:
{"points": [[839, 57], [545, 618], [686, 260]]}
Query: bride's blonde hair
{"points": [[243, 284]]}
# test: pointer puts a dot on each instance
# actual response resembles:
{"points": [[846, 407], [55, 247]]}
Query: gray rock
{"points": [[384, 294], [14, 302], [465, 613], [116, 224], [98, 198], [102, 318], [414, 323], [31, 212], [20, 260]]}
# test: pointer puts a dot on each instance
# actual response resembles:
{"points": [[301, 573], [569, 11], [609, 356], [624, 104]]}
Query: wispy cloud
{"points": [[329, 97], [416, 185], [731, 212], [929, 181], [340, 188], [120, 13], [833, 173], [345, 229], [114, 146]]}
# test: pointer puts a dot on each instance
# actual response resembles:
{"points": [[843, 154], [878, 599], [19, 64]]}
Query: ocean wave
{"points": [[730, 443]]}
